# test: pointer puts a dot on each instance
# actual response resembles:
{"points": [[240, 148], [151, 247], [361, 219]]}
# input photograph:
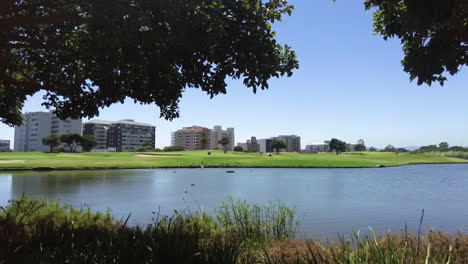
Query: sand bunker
{"points": [[71, 155], [155, 156], [11, 161]]}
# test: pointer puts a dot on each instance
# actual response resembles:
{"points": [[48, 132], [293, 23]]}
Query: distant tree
{"points": [[433, 35], [425, 149], [88, 142], [390, 148], [173, 148], [337, 146], [72, 141], [60, 149], [360, 147], [458, 149], [157, 150], [238, 148], [278, 145], [52, 141], [224, 141], [204, 140], [145, 146], [401, 150], [372, 149], [444, 145]]}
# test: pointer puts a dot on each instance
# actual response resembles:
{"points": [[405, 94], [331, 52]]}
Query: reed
{"points": [[46, 232]]}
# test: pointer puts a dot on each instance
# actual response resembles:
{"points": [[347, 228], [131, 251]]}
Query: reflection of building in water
{"points": [[24, 185], [336, 183], [54, 184]]}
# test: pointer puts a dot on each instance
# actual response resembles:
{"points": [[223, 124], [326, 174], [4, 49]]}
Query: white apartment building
{"points": [[120, 136], [37, 125], [197, 138], [317, 147], [4, 145], [293, 142], [217, 133]]}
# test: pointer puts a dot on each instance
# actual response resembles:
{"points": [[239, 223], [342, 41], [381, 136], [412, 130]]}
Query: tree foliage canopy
{"points": [[72, 140], [238, 149], [337, 145], [278, 145], [88, 54], [434, 34], [224, 141], [52, 141], [390, 148], [360, 147], [88, 142]]}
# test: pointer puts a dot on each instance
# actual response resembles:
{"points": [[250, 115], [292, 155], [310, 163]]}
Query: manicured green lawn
{"points": [[28, 160]]}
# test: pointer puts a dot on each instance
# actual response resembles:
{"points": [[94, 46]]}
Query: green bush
{"points": [[173, 148], [60, 149]]}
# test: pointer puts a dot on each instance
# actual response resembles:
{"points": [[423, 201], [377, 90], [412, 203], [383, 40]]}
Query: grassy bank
{"points": [[29, 160], [44, 232]]}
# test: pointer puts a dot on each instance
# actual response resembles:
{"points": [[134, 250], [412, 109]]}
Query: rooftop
{"points": [[124, 121]]}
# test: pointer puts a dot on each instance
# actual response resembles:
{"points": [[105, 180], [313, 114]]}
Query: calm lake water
{"points": [[328, 201]]}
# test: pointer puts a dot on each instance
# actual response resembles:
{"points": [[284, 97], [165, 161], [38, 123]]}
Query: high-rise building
{"points": [[192, 138], [98, 129], [293, 142], [4, 145], [121, 136], [265, 145], [317, 147], [217, 133], [197, 138], [67, 126], [128, 135], [251, 145], [37, 125]]}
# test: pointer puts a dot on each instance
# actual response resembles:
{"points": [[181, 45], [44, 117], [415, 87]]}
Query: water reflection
{"points": [[327, 200]]}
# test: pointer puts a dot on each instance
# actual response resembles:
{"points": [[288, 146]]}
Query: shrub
{"points": [[60, 149], [238, 149], [173, 148], [141, 149]]}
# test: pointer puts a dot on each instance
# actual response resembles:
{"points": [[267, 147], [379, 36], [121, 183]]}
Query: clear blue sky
{"points": [[350, 86]]}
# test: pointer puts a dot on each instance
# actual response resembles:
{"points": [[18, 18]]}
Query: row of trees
{"points": [[72, 141], [442, 147], [339, 146]]}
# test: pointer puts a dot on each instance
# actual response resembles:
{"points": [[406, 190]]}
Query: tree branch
{"points": [[34, 44], [6, 4], [43, 20]]}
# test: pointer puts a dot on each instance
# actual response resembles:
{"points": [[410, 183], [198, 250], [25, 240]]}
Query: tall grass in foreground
{"points": [[45, 232], [258, 223]]}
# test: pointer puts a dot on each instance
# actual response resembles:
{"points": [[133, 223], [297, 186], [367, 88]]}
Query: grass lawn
{"points": [[29, 160]]}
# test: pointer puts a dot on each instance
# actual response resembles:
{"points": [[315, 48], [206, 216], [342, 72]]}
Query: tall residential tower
{"points": [[37, 125]]}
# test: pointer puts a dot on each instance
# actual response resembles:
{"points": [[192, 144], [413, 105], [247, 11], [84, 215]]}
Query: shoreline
{"points": [[39, 169]]}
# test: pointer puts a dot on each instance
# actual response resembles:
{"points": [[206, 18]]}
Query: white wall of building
{"points": [[37, 125]]}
